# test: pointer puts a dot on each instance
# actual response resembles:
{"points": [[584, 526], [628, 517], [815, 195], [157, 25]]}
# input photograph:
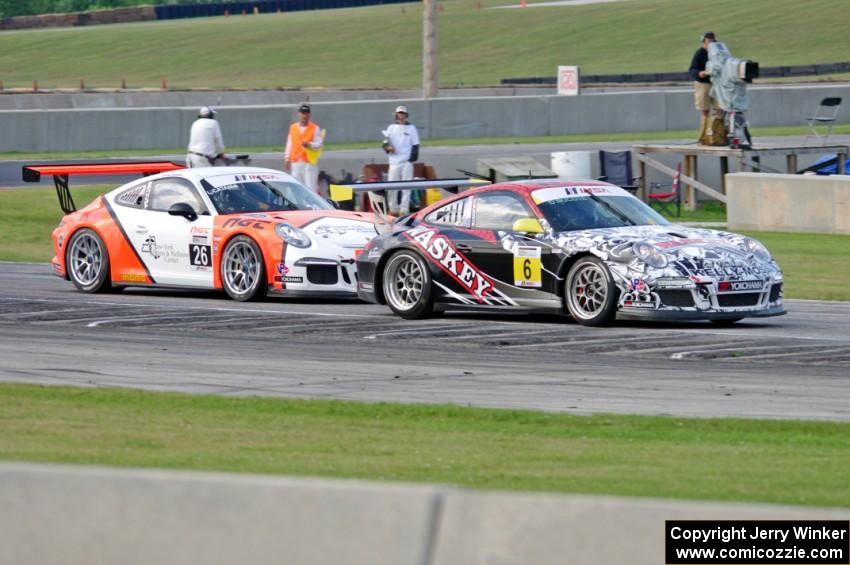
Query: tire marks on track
{"points": [[522, 334]]}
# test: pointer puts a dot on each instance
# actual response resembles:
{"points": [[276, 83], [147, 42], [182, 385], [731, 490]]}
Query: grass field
{"points": [[713, 459], [815, 265], [380, 46], [29, 215]]}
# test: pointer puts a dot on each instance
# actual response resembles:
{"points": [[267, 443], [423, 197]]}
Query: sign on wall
{"points": [[568, 80]]}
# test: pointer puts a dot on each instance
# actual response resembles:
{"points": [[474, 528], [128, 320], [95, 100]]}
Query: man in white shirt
{"points": [[401, 142], [205, 141]]}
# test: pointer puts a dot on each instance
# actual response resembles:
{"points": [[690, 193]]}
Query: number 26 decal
{"points": [[199, 255]]}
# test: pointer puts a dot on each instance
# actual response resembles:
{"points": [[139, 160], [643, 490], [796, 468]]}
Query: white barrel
{"points": [[570, 165]]}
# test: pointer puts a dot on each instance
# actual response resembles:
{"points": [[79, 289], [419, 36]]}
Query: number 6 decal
{"points": [[527, 267]]}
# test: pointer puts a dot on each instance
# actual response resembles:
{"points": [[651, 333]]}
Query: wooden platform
{"points": [[744, 159]]}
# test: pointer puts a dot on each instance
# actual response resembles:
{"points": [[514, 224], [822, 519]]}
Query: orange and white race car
{"points": [[246, 230]]}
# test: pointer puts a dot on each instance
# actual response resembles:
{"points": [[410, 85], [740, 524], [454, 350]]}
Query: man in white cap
{"points": [[205, 141], [401, 142]]}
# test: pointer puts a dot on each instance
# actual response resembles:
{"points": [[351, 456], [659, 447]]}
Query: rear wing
{"points": [[377, 191], [61, 174]]}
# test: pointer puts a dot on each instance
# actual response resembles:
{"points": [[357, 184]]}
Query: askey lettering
{"points": [[442, 252]]}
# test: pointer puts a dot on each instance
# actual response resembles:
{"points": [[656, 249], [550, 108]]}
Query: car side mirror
{"points": [[529, 226], [333, 203], [183, 209]]}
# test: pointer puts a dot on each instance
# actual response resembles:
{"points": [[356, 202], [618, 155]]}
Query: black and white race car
{"points": [[587, 248]]}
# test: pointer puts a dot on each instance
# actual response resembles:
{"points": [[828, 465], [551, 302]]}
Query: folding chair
{"points": [[616, 168], [825, 115], [665, 200]]}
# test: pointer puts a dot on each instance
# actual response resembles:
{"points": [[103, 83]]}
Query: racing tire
{"points": [[590, 293], [87, 262], [243, 271], [406, 283]]}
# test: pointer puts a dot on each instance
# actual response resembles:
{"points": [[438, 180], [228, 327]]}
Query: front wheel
{"points": [[243, 274], [87, 262], [590, 293], [407, 286]]}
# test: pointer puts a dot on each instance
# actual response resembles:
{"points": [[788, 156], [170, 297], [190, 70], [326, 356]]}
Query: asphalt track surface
{"points": [[794, 366]]}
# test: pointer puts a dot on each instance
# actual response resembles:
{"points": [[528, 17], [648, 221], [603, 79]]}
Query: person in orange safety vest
{"points": [[303, 146]]}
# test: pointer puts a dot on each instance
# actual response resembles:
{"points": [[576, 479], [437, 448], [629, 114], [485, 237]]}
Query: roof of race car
{"points": [[524, 187], [199, 173], [528, 185]]}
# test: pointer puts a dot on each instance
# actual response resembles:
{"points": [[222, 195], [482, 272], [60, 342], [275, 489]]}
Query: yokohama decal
{"points": [[440, 250]]}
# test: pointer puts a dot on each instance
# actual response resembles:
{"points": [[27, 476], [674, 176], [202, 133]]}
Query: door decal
{"points": [[441, 251], [129, 241]]}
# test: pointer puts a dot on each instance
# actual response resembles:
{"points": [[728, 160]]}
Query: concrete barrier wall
{"points": [[791, 203], [92, 516], [98, 516], [362, 120], [195, 98]]}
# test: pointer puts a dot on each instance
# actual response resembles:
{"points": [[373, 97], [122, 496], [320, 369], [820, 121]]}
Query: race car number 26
{"points": [[527, 269], [199, 255]]}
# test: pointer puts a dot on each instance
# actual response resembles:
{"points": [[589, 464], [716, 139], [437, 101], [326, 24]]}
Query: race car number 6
{"points": [[527, 267]]}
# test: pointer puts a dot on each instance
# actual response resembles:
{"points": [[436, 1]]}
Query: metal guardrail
{"points": [[764, 72]]}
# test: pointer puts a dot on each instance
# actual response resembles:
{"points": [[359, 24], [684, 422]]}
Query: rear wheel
{"points": [[87, 262], [590, 293], [407, 286], [243, 274]]}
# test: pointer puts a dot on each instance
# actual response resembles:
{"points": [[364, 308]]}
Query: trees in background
{"points": [[33, 7]]}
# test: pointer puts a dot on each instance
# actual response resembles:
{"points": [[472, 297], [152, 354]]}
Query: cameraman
{"points": [[702, 81]]}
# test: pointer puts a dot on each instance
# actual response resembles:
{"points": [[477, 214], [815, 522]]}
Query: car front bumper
{"points": [[315, 276], [673, 315]]}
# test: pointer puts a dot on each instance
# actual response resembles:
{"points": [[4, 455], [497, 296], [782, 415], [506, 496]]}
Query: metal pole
{"points": [[430, 71]]}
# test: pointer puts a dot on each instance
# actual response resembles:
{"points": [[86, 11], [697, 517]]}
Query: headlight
{"points": [[624, 253], [756, 248], [292, 236], [650, 255]]}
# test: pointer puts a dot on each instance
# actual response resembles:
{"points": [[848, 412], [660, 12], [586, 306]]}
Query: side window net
{"points": [[133, 197], [454, 214]]}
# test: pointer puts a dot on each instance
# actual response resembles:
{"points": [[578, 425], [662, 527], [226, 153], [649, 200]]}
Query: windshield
{"points": [[591, 211], [233, 194]]}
